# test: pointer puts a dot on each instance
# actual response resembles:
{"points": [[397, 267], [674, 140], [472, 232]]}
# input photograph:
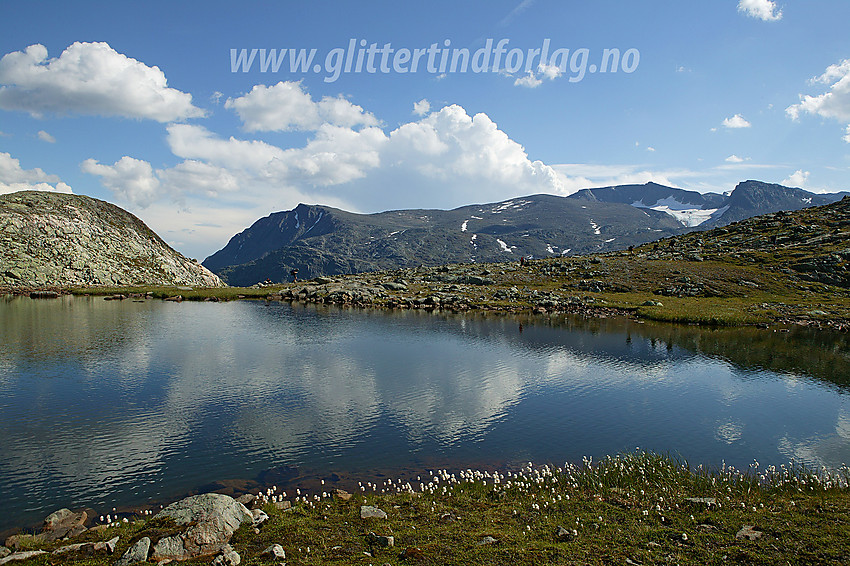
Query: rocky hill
{"points": [[50, 239], [812, 244]]}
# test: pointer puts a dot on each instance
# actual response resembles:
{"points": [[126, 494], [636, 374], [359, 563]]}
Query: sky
{"points": [[202, 117]]}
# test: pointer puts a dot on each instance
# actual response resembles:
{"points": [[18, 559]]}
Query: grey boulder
{"points": [[136, 553], [210, 520]]}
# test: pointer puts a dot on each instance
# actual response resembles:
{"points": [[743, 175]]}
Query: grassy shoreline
{"points": [[704, 293], [637, 508]]}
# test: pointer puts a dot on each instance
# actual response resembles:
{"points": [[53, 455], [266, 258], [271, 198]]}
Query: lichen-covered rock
{"points": [[63, 523], [52, 239], [210, 521], [136, 553]]}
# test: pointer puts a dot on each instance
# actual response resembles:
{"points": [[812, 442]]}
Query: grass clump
{"points": [[636, 508]]}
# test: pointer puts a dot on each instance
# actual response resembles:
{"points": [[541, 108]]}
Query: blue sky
{"points": [[139, 103]]}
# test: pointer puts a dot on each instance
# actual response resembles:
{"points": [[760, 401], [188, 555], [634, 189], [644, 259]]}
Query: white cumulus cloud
{"points": [[529, 81], [444, 159], [14, 178], [544, 71], [132, 180], [765, 10], [736, 121], [286, 106], [734, 159], [89, 78], [422, 107], [834, 104], [44, 136], [797, 179]]}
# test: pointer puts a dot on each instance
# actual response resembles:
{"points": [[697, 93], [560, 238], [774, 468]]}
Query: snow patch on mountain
{"points": [[505, 247], [688, 214]]}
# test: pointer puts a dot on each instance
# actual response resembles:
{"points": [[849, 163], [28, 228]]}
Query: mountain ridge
{"points": [[319, 240]]}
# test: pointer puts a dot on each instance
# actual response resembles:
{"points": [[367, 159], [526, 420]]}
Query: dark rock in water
{"points": [[136, 553], [44, 295], [210, 521], [278, 476], [63, 523]]}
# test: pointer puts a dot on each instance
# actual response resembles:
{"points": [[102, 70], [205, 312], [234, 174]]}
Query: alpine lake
{"points": [[131, 404]]}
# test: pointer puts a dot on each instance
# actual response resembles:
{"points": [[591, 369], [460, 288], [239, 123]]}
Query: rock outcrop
{"points": [[51, 239], [210, 521]]}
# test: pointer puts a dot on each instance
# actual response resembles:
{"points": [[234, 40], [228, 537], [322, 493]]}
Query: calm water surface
{"points": [[107, 404]]}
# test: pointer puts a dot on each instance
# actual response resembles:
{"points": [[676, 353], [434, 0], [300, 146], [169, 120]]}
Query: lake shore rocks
{"points": [[209, 520]]}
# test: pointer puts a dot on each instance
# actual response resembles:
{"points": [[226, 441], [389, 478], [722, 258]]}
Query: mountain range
{"points": [[320, 240]]}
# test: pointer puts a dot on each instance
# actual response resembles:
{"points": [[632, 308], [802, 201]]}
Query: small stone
{"points": [[138, 552], [370, 512], [275, 551], [72, 547], [21, 556], [227, 557], [412, 553], [63, 523], [749, 532], [4, 552], [283, 505], [341, 494], [707, 501], [246, 499], [562, 533], [379, 540], [487, 540], [108, 546], [260, 517]]}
